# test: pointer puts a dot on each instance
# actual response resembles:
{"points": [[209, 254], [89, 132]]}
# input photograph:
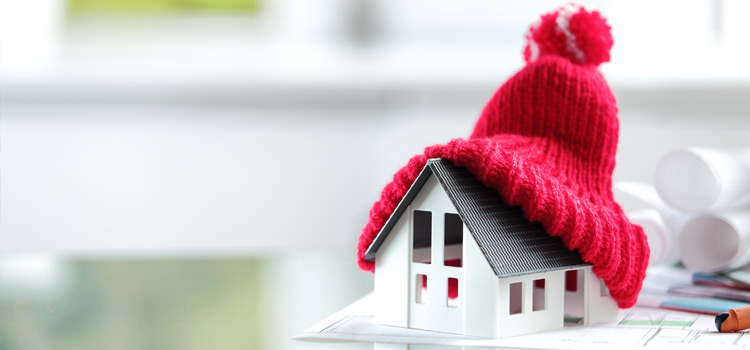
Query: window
{"points": [[422, 240], [540, 296], [515, 298], [454, 240], [452, 292], [421, 289], [571, 281]]}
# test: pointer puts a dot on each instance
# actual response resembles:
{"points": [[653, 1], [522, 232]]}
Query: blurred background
{"points": [[192, 174]]}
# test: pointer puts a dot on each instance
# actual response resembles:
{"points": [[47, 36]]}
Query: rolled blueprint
{"points": [[661, 241], [704, 179], [661, 223], [715, 242]]}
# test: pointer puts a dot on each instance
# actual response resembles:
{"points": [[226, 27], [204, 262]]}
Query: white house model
{"points": [[455, 258]]}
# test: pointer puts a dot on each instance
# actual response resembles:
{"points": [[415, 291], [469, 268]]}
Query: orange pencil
{"points": [[734, 320]]}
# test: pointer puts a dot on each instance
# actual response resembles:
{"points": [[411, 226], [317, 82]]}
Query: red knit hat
{"points": [[546, 142]]}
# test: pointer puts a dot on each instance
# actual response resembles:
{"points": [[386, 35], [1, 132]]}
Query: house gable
{"points": [[511, 244], [420, 280]]}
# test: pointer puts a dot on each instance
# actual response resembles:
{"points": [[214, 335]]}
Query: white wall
{"points": [[221, 135], [146, 178]]}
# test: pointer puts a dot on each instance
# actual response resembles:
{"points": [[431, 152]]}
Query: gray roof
{"points": [[511, 244]]}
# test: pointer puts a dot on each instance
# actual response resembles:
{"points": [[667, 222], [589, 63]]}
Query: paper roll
{"points": [[661, 223], [661, 240], [647, 193], [715, 242], [704, 179]]}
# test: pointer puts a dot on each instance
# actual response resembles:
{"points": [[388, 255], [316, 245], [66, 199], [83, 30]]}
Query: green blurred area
{"points": [[162, 6], [119, 305]]}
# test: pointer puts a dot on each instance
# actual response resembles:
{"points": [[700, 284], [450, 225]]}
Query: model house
{"points": [[454, 257]]}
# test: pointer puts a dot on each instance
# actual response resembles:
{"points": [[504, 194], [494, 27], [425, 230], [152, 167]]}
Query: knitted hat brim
{"points": [[595, 226]]}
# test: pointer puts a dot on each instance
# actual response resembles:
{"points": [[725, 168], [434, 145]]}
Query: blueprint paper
{"points": [[637, 328]]}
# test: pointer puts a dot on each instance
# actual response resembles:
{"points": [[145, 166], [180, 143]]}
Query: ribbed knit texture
{"points": [[546, 141]]}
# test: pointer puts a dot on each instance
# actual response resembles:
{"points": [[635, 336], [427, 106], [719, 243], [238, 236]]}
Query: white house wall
{"points": [[483, 298], [435, 313], [599, 306], [392, 262], [528, 321], [480, 291]]}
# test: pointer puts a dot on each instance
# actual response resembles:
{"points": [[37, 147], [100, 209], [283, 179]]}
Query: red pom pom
{"points": [[571, 32]]}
